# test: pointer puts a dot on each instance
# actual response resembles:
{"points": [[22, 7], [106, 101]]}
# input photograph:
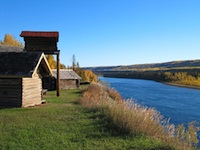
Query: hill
{"points": [[185, 64], [184, 73]]}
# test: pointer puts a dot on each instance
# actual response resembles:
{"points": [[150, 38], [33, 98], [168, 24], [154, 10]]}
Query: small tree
{"points": [[77, 65], [73, 62]]}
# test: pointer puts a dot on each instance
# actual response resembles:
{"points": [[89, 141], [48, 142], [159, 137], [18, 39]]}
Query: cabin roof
{"points": [[6, 48], [39, 34], [66, 74], [49, 34], [22, 64]]}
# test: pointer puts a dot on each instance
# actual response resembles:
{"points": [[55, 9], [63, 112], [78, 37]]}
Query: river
{"points": [[180, 104]]}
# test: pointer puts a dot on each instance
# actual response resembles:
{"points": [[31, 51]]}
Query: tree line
{"points": [[191, 78]]}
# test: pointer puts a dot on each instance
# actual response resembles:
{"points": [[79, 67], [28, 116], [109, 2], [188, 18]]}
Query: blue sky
{"points": [[110, 32]]}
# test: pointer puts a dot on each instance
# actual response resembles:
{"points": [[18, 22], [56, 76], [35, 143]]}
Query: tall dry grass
{"points": [[134, 118]]}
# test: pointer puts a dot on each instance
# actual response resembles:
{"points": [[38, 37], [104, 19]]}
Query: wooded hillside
{"points": [[187, 64], [179, 72]]}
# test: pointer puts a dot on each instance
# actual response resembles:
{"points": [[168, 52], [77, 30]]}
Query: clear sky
{"points": [[110, 32]]}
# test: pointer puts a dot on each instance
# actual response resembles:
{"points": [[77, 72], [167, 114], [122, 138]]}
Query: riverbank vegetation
{"points": [[185, 78], [182, 77], [130, 118]]}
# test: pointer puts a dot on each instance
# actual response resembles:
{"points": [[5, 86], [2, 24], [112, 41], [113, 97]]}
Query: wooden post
{"points": [[58, 73]]}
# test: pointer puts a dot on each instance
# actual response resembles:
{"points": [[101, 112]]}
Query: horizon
{"points": [[110, 33], [144, 63]]}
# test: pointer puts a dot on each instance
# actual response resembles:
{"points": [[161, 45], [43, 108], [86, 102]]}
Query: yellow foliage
{"points": [[86, 75], [185, 78], [90, 76], [11, 41], [53, 63]]}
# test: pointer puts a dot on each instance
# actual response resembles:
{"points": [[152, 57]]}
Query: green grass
{"points": [[63, 124]]}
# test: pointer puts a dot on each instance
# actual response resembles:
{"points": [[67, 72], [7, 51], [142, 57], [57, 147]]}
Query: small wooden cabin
{"points": [[20, 78], [69, 79], [40, 41]]}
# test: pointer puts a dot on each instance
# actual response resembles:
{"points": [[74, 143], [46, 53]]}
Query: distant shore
{"points": [[181, 85], [164, 82]]}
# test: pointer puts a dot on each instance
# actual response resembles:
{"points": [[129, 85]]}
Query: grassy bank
{"points": [[131, 118], [63, 124]]}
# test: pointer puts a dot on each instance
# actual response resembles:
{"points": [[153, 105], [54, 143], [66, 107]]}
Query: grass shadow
{"points": [[106, 128], [74, 102], [104, 124]]}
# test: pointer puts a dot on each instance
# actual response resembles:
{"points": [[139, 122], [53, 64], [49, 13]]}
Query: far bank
{"points": [[181, 85], [189, 79]]}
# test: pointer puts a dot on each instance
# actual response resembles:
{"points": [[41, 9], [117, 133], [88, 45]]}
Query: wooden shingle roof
{"points": [[6, 48], [66, 74], [21, 64]]}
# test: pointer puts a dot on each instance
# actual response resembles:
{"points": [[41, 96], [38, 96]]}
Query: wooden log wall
{"points": [[40, 44], [49, 83], [10, 92], [31, 91], [67, 84]]}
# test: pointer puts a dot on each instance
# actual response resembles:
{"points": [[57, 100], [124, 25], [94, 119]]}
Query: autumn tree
{"points": [[53, 63], [90, 76], [11, 41]]}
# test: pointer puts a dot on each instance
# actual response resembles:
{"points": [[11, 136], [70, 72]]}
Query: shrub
{"points": [[135, 119]]}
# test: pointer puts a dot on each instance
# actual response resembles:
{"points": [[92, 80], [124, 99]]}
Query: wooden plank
{"points": [[10, 82], [10, 100], [10, 92], [16, 95], [2, 88]]}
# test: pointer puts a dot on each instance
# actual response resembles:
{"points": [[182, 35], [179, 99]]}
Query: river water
{"points": [[181, 105]]}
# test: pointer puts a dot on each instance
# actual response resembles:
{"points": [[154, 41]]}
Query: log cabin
{"points": [[40, 41], [69, 79], [21, 76]]}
